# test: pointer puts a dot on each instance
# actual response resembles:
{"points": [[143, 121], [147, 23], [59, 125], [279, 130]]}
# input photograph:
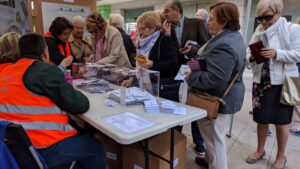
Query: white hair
{"points": [[116, 20], [204, 13], [77, 18], [275, 5]]}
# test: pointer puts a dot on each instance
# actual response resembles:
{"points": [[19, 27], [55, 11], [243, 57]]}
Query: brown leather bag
{"points": [[207, 101]]}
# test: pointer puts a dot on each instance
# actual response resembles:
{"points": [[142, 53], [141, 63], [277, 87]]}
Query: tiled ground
{"points": [[243, 140]]}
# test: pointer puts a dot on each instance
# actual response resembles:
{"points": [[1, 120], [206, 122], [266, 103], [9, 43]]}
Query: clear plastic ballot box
{"points": [[142, 78], [89, 70]]}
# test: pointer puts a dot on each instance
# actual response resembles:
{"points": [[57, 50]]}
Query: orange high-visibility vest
{"points": [[44, 122], [60, 47], [4, 65]]}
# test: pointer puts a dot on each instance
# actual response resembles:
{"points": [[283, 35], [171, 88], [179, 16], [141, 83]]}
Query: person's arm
{"points": [[116, 44], [55, 56], [47, 80], [219, 65], [168, 56], [292, 55]]}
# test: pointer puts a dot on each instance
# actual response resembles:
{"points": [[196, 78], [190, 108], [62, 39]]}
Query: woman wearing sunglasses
{"points": [[281, 52]]}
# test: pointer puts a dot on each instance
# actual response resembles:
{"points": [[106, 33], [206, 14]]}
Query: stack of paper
{"points": [[151, 106], [128, 122], [170, 107], [133, 95]]}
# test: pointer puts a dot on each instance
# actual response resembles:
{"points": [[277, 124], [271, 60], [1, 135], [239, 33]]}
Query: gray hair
{"points": [[116, 20], [77, 18], [204, 13], [275, 5]]}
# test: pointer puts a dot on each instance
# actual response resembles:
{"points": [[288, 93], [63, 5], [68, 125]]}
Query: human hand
{"points": [[67, 61], [268, 53], [126, 83], [185, 50], [89, 59], [167, 27], [148, 64], [194, 65]]}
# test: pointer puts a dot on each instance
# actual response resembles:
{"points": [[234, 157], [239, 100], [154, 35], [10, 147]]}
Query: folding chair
{"points": [[22, 149]]}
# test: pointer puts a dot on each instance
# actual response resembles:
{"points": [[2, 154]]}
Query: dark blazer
{"points": [[195, 30], [128, 44], [166, 62], [223, 57]]}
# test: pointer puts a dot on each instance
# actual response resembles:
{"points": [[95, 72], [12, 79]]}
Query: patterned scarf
{"points": [[145, 45]]}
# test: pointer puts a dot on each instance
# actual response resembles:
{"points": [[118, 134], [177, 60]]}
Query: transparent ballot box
{"points": [[116, 75], [148, 80], [89, 70], [142, 78]]}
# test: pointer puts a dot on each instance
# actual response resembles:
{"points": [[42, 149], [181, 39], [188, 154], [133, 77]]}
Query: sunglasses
{"points": [[266, 18]]}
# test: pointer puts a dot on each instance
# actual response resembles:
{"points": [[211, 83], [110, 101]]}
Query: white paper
{"points": [[151, 106], [128, 122], [182, 72]]}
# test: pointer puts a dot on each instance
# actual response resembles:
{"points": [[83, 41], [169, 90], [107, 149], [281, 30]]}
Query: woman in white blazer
{"points": [[282, 49]]}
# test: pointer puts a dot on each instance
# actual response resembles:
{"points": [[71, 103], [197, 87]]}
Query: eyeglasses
{"points": [[266, 18]]}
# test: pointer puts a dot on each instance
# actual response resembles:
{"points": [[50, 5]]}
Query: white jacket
{"points": [[285, 62]]}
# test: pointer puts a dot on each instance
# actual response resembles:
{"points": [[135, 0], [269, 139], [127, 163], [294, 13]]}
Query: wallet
{"points": [[255, 51]]}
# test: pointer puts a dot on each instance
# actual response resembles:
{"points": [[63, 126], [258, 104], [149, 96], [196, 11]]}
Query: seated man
{"points": [[35, 95]]}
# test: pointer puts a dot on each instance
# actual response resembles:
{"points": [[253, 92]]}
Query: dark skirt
{"points": [[271, 110]]}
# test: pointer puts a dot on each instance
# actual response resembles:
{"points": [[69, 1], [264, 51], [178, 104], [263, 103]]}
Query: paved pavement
{"points": [[244, 141]]}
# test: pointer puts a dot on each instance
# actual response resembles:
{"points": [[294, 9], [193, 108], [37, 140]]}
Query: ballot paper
{"points": [[128, 122], [170, 107], [182, 73], [151, 106], [133, 95]]}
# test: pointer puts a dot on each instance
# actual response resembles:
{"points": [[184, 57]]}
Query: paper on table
{"points": [[182, 72], [151, 106], [128, 122]]}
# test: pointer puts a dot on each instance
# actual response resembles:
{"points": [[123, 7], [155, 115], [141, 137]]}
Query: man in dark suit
{"points": [[190, 34], [185, 30]]}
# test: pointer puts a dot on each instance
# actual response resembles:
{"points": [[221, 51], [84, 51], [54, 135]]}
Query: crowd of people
{"points": [[32, 66]]}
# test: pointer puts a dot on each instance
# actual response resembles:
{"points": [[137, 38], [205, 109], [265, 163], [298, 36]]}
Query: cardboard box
{"points": [[113, 151], [133, 155]]}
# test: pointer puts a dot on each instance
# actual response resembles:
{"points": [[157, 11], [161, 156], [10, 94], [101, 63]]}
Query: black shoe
{"points": [[201, 161], [200, 150]]}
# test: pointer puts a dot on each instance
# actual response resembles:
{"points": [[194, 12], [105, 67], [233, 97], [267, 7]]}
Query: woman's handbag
{"points": [[207, 101], [290, 93]]}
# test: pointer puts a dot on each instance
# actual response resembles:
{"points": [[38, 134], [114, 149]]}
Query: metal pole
{"points": [[172, 149]]}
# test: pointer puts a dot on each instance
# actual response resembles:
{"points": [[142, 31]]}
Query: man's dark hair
{"points": [[59, 25], [176, 4], [32, 44]]}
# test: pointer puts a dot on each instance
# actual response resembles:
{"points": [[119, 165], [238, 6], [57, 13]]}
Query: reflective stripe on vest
{"points": [[42, 125], [30, 109], [44, 122]]}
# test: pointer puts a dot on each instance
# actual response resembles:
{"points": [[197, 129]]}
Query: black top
{"points": [[55, 56], [128, 44], [47, 80], [166, 62]]}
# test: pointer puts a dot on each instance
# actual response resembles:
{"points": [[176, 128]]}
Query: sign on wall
{"points": [[52, 10], [14, 16]]}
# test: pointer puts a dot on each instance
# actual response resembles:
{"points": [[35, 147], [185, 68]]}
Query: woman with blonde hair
{"points": [[108, 44], [281, 53], [9, 50]]}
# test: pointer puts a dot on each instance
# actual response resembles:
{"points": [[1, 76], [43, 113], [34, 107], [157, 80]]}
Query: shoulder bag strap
{"points": [[230, 85]]}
